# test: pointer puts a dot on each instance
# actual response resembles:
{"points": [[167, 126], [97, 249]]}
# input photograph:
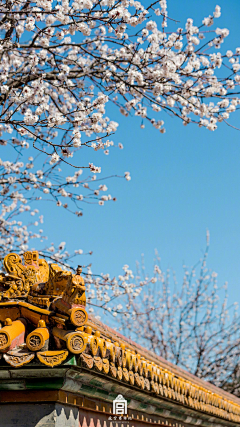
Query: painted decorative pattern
{"points": [[52, 358], [18, 359]]}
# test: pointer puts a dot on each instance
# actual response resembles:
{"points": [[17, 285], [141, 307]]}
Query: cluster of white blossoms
{"points": [[14, 234], [63, 62], [21, 184]]}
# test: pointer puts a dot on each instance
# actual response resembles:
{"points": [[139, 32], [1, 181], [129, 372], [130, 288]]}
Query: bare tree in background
{"points": [[187, 324]]}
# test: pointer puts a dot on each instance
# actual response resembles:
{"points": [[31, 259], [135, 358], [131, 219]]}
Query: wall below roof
{"points": [[60, 415], [38, 415]]}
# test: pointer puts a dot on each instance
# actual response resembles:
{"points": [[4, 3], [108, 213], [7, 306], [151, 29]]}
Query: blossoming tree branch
{"points": [[63, 63]]}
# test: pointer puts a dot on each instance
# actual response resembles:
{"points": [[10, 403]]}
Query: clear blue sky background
{"points": [[183, 182]]}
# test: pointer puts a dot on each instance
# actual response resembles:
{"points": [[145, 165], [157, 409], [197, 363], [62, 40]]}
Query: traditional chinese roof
{"points": [[45, 324]]}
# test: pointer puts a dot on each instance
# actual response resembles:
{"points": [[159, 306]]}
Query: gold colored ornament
{"points": [[137, 379], [76, 341], [118, 354], [142, 382], [87, 360], [119, 373], [157, 391], [136, 362], [161, 390], [18, 358], [12, 334], [58, 280], [113, 370], [131, 377], [129, 359], [22, 277], [123, 355], [147, 384], [52, 358], [78, 316], [125, 375], [98, 363], [105, 366], [101, 343], [111, 349], [39, 338]]}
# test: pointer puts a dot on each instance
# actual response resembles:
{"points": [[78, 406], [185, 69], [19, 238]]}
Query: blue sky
{"points": [[183, 182]]}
